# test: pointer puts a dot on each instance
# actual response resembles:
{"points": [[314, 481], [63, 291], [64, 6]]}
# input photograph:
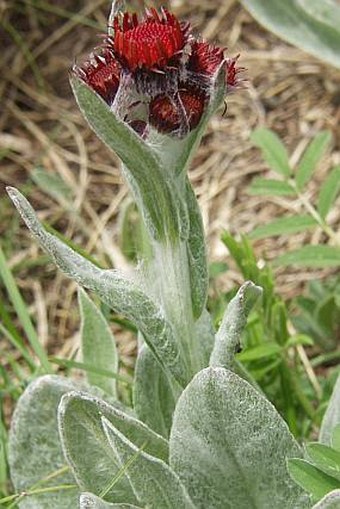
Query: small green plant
{"points": [[319, 472], [291, 183]]}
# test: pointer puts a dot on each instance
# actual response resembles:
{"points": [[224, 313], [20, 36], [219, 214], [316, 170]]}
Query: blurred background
{"points": [[73, 181]]}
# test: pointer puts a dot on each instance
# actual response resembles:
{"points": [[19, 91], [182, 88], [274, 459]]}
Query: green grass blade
{"points": [[22, 313]]}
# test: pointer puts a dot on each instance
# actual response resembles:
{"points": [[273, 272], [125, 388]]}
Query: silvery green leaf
{"points": [[97, 344], [34, 447], [120, 293], [153, 481], [204, 339], [199, 278], [292, 21], [332, 416], [157, 199], [90, 501], [330, 501], [228, 337], [86, 449], [229, 446], [154, 400]]}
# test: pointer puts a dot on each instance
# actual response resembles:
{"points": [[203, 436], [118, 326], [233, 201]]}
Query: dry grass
{"points": [[288, 90]]}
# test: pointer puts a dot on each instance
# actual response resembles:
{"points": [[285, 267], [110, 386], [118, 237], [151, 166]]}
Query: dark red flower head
{"points": [[151, 43], [158, 65]]}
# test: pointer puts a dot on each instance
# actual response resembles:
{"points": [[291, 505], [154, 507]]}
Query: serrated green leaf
{"points": [[90, 501], [273, 150], [270, 187], [328, 192], [118, 292], [284, 225], [142, 168], [311, 256], [154, 400], [85, 445], [155, 484], [260, 352], [98, 344], [329, 501], [34, 447], [292, 23], [228, 337], [310, 478], [335, 439], [325, 458], [222, 454], [311, 157], [331, 419]]}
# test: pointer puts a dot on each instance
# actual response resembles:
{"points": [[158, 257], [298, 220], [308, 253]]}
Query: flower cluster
{"points": [[154, 71]]}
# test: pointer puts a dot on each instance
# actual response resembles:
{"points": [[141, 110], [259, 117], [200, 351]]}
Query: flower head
{"points": [[156, 62]]}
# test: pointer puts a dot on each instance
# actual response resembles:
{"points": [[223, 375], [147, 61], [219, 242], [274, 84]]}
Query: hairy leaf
{"points": [[142, 167], [229, 446], [329, 501], [332, 416], [86, 449], [153, 481], [154, 400], [98, 344], [291, 21], [228, 337], [120, 293], [34, 447], [90, 501]]}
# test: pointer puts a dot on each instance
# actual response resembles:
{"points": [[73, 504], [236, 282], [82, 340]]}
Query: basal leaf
{"points": [[284, 225], [34, 447], [290, 21], [270, 187], [331, 419], [97, 343], [328, 12], [328, 192], [311, 157], [329, 501], [273, 150], [86, 449], [120, 293], [153, 481], [229, 446], [311, 256], [310, 478]]}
